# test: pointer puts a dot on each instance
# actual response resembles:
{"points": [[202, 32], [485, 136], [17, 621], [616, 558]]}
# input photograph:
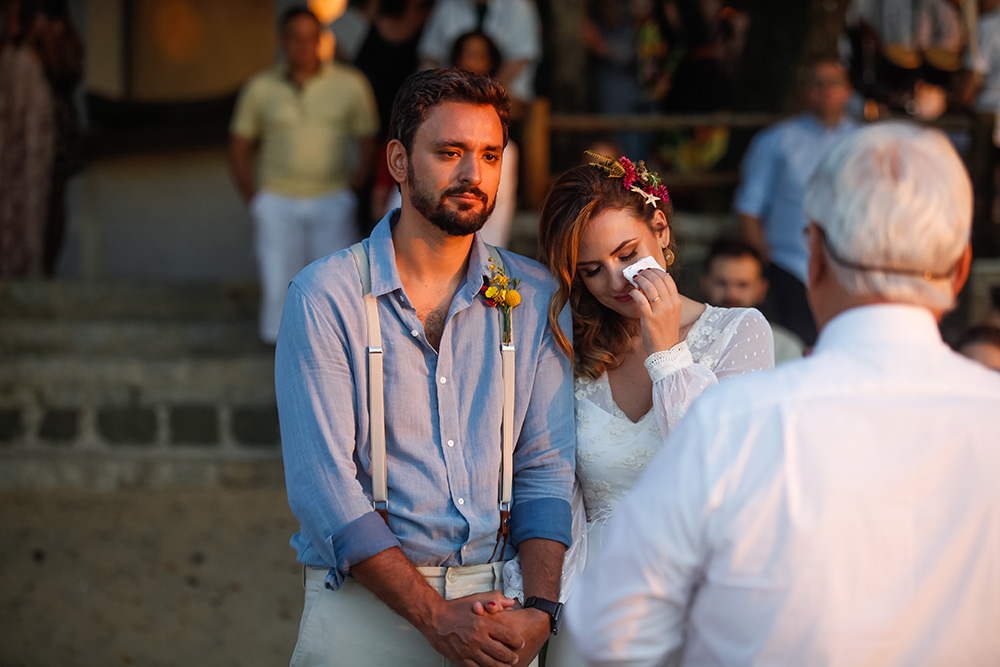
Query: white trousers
{"points": [[352, 627], [290, 233]]}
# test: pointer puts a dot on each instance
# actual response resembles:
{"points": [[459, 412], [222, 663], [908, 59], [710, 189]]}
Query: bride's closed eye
{"points": [[623, 258], [629, 257]]}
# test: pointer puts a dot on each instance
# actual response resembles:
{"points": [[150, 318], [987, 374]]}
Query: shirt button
{"points": [[461, 501], [444, 380], [451, 443], [450, 576], [414, 333]]}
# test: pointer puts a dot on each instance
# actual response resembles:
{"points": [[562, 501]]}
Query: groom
{"points": [[436, 555]]}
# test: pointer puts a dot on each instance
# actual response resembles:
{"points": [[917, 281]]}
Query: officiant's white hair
{"points": [[894, 195]]}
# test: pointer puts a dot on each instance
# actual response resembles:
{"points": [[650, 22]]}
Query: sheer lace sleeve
{"points": [[729, 342]]}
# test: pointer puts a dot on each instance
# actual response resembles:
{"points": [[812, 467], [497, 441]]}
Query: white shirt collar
{"points": [[880, 323]]}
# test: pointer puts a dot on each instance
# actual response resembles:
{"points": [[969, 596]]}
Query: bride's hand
{"points": [[659, 305]]}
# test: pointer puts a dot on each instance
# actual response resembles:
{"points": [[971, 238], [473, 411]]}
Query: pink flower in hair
{"points": [[629, 172]]}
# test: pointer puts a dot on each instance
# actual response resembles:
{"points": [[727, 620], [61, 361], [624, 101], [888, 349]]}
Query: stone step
{"points": [[141, 301], [97, 403], [93, 379], [147, 338], [115, 385]]}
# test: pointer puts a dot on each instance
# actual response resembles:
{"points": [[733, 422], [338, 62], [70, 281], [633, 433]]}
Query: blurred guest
{"points": [[982, 91], [901, 47], [841, 509], [626, 74], [513, 25], [734, 278], [774, 174], [981, 344], [351, 27], [387, 55], [27, 143], [300, 122], [62, 56]]}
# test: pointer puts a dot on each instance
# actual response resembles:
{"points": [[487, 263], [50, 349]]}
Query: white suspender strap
{"points": [[376, 401], [376, 393], [507, 368], [507, 428], [507, 358]]}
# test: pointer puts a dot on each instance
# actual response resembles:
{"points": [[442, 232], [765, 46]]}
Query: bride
{"points": [[642, 351]]}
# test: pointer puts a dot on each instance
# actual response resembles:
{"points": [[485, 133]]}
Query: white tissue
{"points": [[646, 262]]}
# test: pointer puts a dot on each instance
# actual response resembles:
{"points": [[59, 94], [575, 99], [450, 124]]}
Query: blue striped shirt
{"points": [[443, 412]]}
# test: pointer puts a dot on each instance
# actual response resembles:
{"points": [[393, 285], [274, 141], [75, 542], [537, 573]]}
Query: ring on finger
{"points": [[654, 300]]}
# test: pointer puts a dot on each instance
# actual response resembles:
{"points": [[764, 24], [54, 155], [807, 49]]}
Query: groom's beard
{"points": [[434, 206]]}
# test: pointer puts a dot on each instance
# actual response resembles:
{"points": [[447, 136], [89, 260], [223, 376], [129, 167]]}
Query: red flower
{"points": [[629, 172]]}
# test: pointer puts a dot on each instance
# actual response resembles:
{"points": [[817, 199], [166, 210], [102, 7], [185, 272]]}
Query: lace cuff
{"points": [[663, 363]]}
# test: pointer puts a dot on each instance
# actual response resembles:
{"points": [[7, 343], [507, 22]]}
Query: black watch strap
{"points": [[553, 609]]}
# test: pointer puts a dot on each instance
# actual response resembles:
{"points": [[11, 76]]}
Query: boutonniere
{"points": [[500, 291]]}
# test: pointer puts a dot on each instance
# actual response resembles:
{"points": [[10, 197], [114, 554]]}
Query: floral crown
{"points": [[635, 177]]}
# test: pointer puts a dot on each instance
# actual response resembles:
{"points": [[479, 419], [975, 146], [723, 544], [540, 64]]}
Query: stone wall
{"points": [[119, 385]]}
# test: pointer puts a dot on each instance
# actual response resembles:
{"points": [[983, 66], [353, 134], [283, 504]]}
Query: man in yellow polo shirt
{"points": [[293, 157]]}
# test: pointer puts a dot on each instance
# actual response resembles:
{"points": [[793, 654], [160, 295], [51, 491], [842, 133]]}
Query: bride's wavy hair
{"points": [[600, 335]]}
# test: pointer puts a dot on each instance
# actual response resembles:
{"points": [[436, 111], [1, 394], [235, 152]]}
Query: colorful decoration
{"points": [[635, 177], [500, 291]]}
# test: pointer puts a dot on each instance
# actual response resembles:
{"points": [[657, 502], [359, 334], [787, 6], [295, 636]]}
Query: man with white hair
{"points": [[841, 509]]}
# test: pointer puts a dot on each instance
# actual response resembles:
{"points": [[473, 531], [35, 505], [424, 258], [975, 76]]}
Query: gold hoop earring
{"points": [[668, 256]]}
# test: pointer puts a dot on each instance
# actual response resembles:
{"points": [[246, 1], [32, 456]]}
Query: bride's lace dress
{"points": [[612, 451]]}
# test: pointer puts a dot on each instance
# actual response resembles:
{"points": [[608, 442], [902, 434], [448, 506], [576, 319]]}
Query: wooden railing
{"points": [[541, 124]]}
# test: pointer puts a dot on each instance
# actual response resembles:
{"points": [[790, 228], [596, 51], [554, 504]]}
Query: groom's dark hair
{"points": [[424, 90]]}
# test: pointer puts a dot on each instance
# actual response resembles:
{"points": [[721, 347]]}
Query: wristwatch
{"points": [[553, 609]]}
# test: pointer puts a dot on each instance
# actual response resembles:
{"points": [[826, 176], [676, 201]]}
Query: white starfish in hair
{"points": [[650, 197]]}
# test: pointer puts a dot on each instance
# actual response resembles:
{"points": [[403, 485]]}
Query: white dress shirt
{"points": [[840, 510]]}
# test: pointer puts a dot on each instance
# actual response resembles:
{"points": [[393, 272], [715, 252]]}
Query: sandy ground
{"points": [[194, 577]]}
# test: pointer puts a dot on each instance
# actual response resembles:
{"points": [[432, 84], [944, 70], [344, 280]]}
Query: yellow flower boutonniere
{"points": [[500, 291]]}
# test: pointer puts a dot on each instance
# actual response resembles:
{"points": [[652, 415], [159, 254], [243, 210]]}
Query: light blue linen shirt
{"points": [[773, 178], [443, 413]]}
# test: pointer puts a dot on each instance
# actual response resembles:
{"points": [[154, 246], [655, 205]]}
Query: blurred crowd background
{"points": [[115, 111], [133, 355]]}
